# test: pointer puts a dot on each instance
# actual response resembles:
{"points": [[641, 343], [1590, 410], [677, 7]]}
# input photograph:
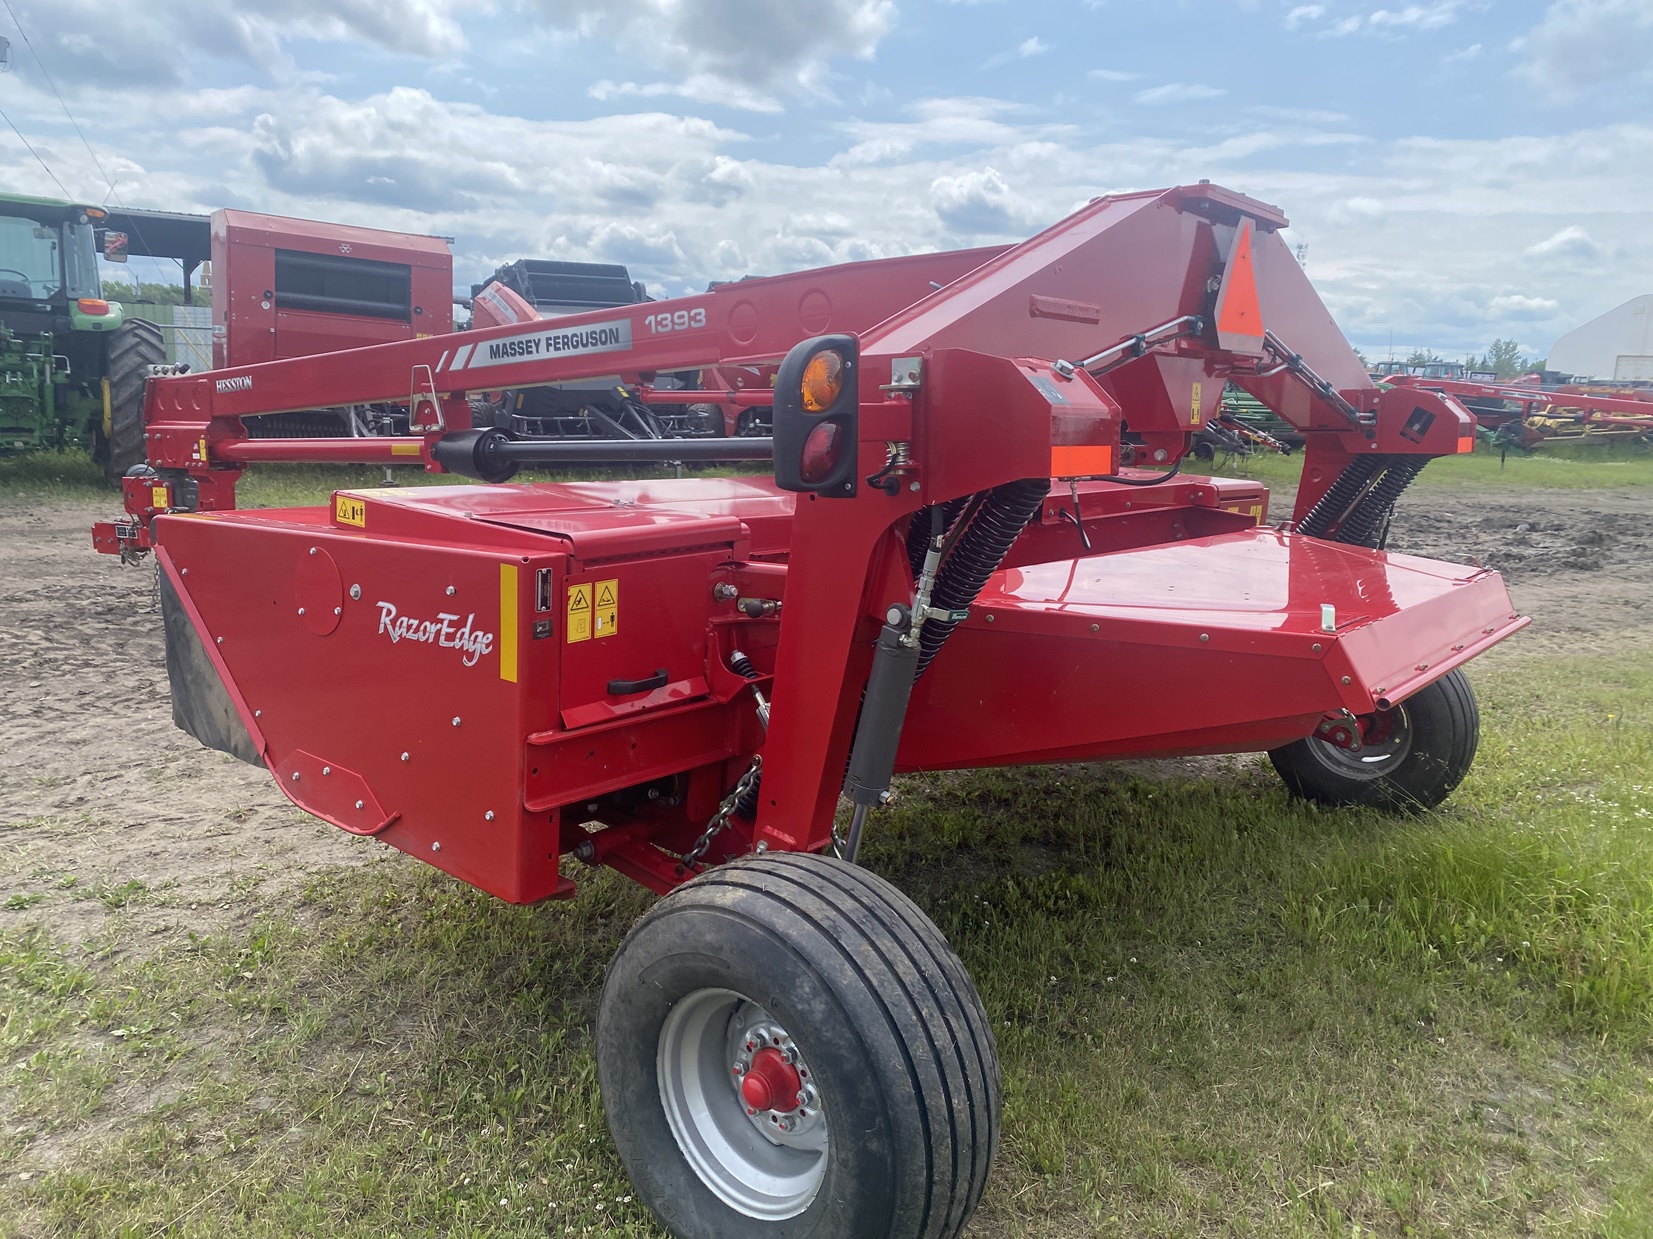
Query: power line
{"points": [[44, 72], [35, 153], [63, 103]]}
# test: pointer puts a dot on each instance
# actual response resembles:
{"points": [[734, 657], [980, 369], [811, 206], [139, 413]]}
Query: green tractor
{"points": [[72, 365]]}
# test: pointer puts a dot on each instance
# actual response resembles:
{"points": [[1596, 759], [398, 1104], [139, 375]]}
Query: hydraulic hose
{"points": [[1340, 495], [1367, 522], [980, 549], [919, 531]]}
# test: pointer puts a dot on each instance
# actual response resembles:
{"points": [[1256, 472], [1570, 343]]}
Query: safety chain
{"points": [[720, 819]]}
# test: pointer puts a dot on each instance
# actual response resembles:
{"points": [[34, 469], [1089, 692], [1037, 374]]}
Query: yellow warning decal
{"points": [[160, 497], [508, 622], [1194, 407], [578, 626], [349, 510], [606, 609]]}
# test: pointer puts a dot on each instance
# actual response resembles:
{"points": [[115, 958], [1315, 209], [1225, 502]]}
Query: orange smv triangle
{"points": [[1239, 315]]}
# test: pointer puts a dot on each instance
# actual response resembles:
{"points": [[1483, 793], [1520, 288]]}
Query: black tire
{"points": [[712, 416], [884, 1021], [1429, 748], [136, 345]]}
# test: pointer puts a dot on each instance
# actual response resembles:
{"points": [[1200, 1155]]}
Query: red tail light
{"points": [[821, 451], [93, 306]]}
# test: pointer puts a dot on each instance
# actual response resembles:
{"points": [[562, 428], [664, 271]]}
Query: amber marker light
{"points": [[93, 306], [823, 380]]}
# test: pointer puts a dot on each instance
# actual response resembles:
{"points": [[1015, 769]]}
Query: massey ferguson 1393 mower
{"points": [[975, 550]]}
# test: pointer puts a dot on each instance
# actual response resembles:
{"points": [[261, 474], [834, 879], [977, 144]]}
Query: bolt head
{"points": [[301, 610], [355, 592], [295, 776], [405, 757], [488, 816], [456, 720], [436, 847], [359, 804], [1346, 680], [451, 591], [327, 770]]}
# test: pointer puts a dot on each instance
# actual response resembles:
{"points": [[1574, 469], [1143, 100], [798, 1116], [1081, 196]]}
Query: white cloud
{"points": [[148, 44], [1438, 241], [1570, 242], [734, 40], [1032, 47], [1304, 13], [1114, 75], [697, 88], [978, 203], [1179, 92], [1516, 305], [1585, 46], [1416, 16], [1472, 52], [1405, 20]]}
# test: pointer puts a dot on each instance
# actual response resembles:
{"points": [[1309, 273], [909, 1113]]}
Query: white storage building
{"points": [[1618, 345]]}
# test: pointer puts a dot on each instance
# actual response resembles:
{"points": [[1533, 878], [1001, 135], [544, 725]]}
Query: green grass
{"points": [[61, 475], [68, 475], [1219, 1013], [1566, 467]]}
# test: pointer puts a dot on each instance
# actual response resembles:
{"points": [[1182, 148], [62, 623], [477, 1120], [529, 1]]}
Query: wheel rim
{"points": [[725, 1069], [1386, 743]]}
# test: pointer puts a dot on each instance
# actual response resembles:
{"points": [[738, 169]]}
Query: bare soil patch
{"points": [[98, 785]]}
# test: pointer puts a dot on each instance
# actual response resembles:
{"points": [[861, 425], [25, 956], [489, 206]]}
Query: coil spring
{"points": [[977, 555], [1339, 495], [1371, 516]]}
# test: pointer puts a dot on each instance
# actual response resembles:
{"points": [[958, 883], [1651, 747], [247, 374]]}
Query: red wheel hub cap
{"points": [[771, 1083]]}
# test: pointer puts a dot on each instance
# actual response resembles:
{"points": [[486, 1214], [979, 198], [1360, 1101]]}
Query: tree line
{"points": [[1503, 358]]}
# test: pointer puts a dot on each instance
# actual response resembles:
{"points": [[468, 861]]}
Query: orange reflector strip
{"points": [[1466, 445], [1239, 313], [404, 449], [1083, 460]]}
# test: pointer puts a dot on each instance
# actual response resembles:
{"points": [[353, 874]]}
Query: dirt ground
{"points": [[97, 782]]}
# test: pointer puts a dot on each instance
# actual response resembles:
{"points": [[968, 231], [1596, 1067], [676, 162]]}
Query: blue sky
{"points": [[1455, 169]]}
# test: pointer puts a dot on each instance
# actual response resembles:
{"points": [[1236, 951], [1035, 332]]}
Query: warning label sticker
{"points": [[606, 609], [1194, 407], [578, 626]]}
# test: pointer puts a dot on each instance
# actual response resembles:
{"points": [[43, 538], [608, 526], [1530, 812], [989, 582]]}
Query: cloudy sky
{"points": [[1455, 169]]}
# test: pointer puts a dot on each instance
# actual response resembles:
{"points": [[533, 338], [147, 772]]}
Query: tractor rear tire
{"points": [[787, 1045], [1427, 744], [136, 345]]}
